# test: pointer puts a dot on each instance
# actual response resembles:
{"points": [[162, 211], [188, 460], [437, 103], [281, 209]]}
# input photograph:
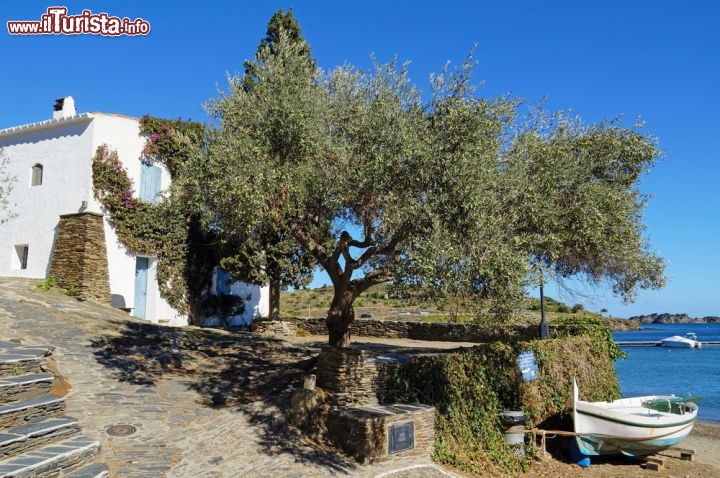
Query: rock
{"points": [[308, 411]]}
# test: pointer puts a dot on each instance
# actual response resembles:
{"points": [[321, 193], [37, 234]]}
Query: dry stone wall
{"points": [[433, 331], [79, 258]]}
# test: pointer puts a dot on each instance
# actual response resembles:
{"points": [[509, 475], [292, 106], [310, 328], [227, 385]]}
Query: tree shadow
{"points": [[255, 375]]}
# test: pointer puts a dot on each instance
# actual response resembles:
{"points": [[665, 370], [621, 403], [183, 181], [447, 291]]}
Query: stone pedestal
{"points": [[379, 432], [353, 376]]}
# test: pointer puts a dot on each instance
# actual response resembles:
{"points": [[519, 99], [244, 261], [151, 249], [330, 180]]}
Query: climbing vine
{"points": [[169, 229]]}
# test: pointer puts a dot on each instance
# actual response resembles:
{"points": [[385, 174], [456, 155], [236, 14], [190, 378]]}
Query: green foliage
{"points": [[73, 290], [7, 183], [171, 142], [582, 209], [281, 25], [46, 284], [467, 421], [471, 388], [592, 326]]}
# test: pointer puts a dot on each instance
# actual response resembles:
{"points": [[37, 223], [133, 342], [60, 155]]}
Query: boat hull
{"points": [[592, 445], [680, 342], [626, 427]]}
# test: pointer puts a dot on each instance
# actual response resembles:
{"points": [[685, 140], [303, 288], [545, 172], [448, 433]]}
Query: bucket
{"points": [[514, 421]]}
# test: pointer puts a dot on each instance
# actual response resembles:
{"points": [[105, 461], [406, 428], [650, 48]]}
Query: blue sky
{"points": [[650, 60]]}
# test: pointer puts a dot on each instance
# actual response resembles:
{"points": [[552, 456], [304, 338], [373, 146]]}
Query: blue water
{"points": [[663, 371]]}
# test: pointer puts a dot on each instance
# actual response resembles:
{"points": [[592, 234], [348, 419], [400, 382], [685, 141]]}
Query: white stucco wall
{"points": [[63, 148], [256, 299]]}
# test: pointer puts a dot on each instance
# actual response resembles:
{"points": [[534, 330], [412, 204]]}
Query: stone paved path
{"points": [[204, 404]]}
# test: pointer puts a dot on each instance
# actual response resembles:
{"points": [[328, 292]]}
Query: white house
{"points": [[52, 162]]}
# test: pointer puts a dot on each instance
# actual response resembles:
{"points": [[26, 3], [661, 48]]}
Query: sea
{"points": [[664, 370]]}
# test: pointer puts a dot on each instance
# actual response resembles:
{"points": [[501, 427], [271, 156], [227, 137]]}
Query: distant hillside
{"points": [[380, 303], [674, 319]]}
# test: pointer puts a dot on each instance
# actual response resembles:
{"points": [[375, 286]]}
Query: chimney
{"points": [[64, 107]]}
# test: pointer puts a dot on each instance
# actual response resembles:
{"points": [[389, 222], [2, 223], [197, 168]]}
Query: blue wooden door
{"points": [[141, 277], [150, 182], [222, 281]]}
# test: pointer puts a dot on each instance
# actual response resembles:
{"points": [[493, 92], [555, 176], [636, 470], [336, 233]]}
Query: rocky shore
{"points": [[673, 319], [621, 324]]}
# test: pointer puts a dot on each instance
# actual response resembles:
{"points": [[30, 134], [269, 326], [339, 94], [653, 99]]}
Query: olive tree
{"points": [[452, 193]]}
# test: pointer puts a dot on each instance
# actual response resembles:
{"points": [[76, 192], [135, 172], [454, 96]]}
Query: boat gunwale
{"points": [[640, 424]]}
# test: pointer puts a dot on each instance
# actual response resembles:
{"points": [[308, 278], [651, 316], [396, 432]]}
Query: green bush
{"points": [[471, 388], [47, 283]]}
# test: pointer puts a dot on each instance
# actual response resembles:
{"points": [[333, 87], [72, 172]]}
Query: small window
{"points": [[37, 175], [21, 256]]}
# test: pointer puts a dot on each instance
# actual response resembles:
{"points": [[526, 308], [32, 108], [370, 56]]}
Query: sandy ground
{"points": [[704, 439]]}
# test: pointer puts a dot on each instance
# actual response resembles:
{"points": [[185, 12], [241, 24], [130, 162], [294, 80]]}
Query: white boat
{"points": [[629, 426], [688, 341]]}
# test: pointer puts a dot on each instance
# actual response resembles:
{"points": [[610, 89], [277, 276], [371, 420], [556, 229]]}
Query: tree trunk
{"points": [[274, 300], [338, 324]]}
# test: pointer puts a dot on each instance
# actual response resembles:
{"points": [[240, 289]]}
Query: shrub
{"points": [[47, 283]]}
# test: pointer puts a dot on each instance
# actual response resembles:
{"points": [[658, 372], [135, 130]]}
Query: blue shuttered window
{"points": [[150, 182]]}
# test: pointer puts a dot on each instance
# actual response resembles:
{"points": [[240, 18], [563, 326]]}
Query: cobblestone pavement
{"points": [[204, 403]]}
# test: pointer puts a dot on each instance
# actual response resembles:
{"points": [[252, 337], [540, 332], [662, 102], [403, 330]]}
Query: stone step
{"points": [[19, 387], [50, 460], [11, 347], [31, 435], [13, 364], [32, 409], [96, 470]]}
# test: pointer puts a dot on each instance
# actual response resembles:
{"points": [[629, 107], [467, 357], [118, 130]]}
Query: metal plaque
{"points": [[401, 436]]}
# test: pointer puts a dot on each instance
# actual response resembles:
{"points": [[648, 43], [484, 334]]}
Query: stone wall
{"points": [[267, 328], [435, 331], [79, 257]]}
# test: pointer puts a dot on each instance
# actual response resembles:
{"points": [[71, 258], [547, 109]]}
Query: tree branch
{"points": [[374, 277], [309, 243], [367, 239]]}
